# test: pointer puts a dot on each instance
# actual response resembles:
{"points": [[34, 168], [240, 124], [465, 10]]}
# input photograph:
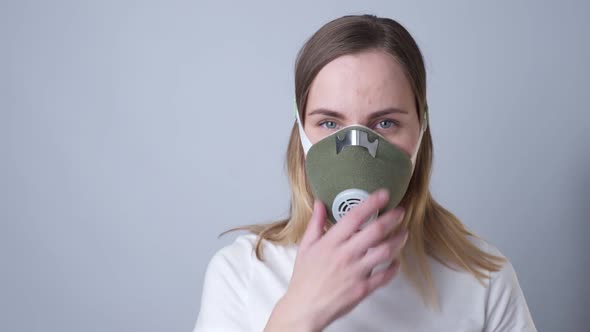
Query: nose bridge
{"points": [[356, 119], [357, 137]]}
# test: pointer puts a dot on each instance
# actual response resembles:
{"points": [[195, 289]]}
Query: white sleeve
{"points": [[224, 291], [506, 307]]}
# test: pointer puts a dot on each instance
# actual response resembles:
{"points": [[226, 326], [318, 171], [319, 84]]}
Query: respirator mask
{"points": [[343, 168]]}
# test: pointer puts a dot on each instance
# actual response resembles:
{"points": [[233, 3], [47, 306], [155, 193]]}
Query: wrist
{"points": [[288, 317]]}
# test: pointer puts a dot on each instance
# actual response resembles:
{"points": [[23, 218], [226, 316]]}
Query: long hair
{"points": [[433, 230]]}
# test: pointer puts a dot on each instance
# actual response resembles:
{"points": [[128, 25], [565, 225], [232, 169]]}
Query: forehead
{"points": [[361, 82]]}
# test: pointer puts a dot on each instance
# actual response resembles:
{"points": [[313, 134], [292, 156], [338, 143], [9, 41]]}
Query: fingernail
{"points": [[382, 194], [402, 214], [406, 234], [317, 205]]}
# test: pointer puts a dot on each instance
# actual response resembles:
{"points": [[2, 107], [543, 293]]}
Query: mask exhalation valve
{"points": [[346, 200]]}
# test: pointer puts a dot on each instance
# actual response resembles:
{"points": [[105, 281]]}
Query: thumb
{"points": [[315, 226]]}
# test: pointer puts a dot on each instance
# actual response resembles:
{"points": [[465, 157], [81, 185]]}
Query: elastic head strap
{"points": [[423, 128], [305, 142]]}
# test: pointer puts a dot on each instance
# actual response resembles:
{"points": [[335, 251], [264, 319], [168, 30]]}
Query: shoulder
{"points": [[506, 306], [241, 246], [240, 256], [235, 256], [506, 273], [485, 246], [224, 293]]}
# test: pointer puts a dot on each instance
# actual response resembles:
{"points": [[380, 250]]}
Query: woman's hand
{"points": [[333, 271]]}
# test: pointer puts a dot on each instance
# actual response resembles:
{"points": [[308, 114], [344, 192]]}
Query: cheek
{"points": [[313, 133], [407, 141]]}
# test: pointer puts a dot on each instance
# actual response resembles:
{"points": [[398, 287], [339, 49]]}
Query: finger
{"points": [[315, 226], [352, 221], [374, 233], [381, 278], [384, 253]]}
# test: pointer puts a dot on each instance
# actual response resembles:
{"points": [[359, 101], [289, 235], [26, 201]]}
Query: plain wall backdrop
{"points": [[133, 132]]}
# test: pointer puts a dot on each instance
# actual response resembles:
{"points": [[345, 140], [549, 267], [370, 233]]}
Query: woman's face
{"points": [[369, 88]]}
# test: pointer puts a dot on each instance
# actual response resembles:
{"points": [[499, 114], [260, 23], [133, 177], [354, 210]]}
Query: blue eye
{"points": [[328, 124], [385, 124]]}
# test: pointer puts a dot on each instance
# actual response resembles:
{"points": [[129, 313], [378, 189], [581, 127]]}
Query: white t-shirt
{"points": [[240, 292]]}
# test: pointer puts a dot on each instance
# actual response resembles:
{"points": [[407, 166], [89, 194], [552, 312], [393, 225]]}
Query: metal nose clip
{"points": [[355, 137]]}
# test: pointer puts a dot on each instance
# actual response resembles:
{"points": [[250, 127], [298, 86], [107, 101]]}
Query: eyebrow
{"points": [[340, 116]]}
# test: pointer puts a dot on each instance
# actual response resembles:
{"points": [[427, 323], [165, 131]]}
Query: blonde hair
{"points": [[433, 230]]}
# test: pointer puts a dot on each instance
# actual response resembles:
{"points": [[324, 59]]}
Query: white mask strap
{"points": [[305, 142], [422, 130]]}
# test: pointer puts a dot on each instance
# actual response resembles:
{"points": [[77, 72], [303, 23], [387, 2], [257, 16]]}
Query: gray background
{"points": [[133, 132]]}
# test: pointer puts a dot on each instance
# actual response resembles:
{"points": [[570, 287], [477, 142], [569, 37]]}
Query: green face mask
{"points": [[345, 167]]}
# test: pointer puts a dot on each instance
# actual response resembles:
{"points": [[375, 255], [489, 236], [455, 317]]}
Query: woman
{"points": [[414, 267]]}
